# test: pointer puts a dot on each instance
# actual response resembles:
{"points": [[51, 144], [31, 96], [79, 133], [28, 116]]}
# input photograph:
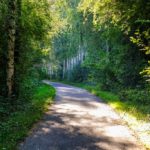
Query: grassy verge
{"points": [[18, 124]]}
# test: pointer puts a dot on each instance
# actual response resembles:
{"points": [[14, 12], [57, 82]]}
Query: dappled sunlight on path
{"points": [[80, 121]]}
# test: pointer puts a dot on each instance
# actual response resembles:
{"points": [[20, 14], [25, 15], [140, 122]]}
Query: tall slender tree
{"points": [[11, 45], [18, 43]]}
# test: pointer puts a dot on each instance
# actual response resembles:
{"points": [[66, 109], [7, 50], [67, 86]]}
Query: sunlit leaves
{"points": [[36, 17], [130, 17]]}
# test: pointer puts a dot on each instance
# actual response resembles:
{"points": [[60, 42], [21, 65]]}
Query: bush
{"points": [[135, 96]]}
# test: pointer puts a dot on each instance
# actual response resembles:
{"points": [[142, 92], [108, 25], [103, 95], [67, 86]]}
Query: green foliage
{"points": [[67, 38], [136, 96], [79, 74], [17, 125], [142, 38], [118, 67], [33, 26], [111, 32], [114, 60], [50, 36], [146, 72]]}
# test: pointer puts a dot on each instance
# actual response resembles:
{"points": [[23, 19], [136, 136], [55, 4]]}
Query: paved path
{"points": [[79, 121]]}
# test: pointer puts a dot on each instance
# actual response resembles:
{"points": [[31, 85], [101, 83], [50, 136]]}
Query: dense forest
{"points": [[104, 43]]}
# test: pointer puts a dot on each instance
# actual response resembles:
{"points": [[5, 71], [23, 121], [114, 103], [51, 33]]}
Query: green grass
{"points": [[19, 123]]}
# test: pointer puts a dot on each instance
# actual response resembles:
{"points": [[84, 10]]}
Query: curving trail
{"points": [[79, 121]]}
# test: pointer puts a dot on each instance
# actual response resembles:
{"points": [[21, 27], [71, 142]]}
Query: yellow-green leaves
{"points": [[142, 39]]}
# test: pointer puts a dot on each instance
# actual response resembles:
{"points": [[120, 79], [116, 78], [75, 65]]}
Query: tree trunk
{"points": [[18, 51], [11, 45]]}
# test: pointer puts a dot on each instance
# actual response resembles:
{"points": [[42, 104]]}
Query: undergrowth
{"points": [[17, 125]]}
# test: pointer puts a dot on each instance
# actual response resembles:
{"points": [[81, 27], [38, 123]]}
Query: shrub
{"points": [[135, 96]]}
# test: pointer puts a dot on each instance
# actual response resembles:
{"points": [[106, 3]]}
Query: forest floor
{"points": [[15, 127], [79, 120]]}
